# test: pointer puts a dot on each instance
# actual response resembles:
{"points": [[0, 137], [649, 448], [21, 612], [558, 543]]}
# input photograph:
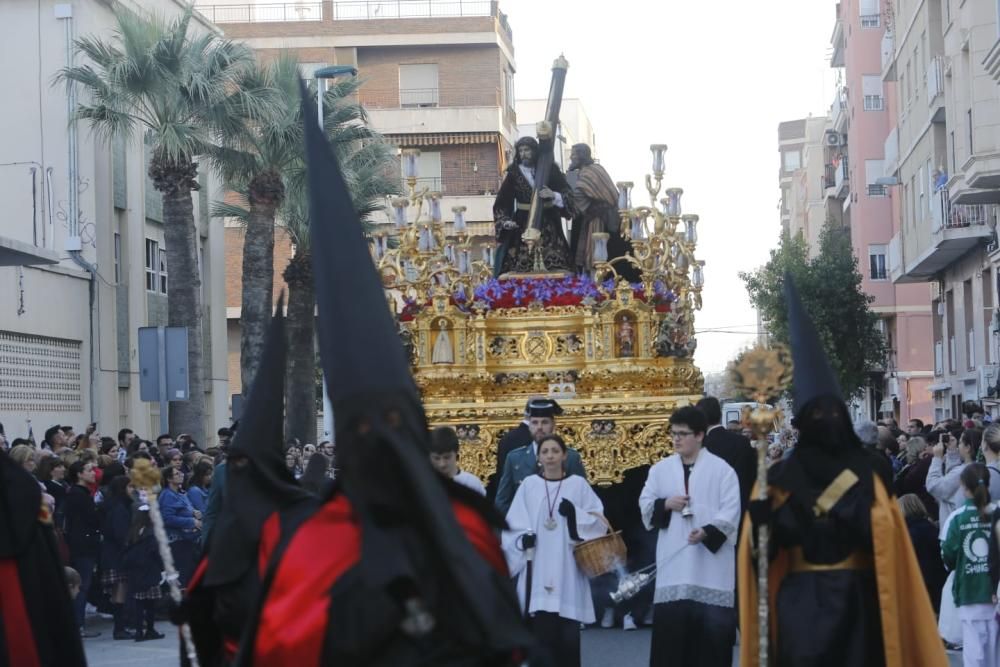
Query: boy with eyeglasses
{"points": [[692, 498]]}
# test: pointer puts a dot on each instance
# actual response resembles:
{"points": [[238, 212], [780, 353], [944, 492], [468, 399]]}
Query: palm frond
{"points": [[221, 209]]}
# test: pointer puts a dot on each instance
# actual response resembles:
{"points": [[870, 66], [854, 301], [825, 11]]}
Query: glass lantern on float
{"points": [[425, 257], [663, 242]]}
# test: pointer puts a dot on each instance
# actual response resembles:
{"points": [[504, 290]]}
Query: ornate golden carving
{"points": [[619, 359]]}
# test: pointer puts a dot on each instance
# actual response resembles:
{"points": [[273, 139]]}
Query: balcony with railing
{"points": [[935, 88], [435, 111], [262, 13], [343, 11], [841, 179], [955, 230], [415, 98], [838, 110]]}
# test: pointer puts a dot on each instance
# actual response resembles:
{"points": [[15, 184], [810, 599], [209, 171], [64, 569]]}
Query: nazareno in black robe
{"points": [[37, 625]]}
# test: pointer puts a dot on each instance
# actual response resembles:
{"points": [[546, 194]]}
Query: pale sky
{"points": [[712, 80]]}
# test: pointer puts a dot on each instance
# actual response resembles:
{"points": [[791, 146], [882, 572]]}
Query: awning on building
{"points": [[940, 386], [443, 139]]}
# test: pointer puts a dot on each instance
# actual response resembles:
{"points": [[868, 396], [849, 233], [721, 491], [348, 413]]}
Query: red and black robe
{"points": [[37, 624], [315, 609]]}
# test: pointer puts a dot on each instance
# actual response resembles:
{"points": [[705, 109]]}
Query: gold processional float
{"points": [[617, 356]]}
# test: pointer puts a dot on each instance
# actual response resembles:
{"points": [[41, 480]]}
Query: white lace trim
{"points": [[726, 528], [711, 596]]}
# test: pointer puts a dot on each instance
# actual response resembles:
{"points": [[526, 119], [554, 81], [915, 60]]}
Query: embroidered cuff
{"points": [[661, 515], [714, 538]]}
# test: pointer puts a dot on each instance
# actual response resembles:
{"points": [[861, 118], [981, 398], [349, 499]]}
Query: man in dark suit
{"points": [[511, 440], [733, 448], [522, 462]]}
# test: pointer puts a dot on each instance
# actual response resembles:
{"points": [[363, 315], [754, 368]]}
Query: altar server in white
{"points": [[692, 498], [555, 511]]}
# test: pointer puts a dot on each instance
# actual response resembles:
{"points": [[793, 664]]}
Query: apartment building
{"points": [[862, 113], [802, 146], [81, 243], [437, 76], [937, 54]]}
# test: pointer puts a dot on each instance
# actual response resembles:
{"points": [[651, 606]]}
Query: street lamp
{"points": [[331, 72]]}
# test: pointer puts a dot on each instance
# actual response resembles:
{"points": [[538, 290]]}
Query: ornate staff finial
{"points": [[762, 374]]}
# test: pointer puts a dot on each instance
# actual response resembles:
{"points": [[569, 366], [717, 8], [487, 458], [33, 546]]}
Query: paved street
{"points": [[600, 649]]}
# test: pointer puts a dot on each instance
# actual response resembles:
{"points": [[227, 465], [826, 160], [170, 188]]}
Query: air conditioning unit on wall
{"points": [[834, 138]]}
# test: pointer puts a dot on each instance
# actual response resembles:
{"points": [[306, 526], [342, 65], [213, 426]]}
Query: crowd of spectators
{"points": [[102, 523]]}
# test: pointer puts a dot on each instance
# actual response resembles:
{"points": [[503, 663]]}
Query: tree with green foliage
{"points": [[369, 167], [830, 288], [179, 90], [254, 164]]}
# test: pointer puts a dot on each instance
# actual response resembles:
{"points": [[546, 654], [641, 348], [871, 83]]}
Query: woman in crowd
{"points": [[553, 511], [201, 480], [924, 535], [115, 523], [968, 534], [51, 472], [182, 522], [109, 447], [82, 532], [144, 571], [991, 454], [25, 456], [292, 463], [308, 451], [951, 456], [913, 477]]}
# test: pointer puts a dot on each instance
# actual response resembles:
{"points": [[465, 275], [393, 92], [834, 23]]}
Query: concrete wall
{"points": [[54, 302]]}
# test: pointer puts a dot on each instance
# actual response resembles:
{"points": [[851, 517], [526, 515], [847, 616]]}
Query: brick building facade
{"points": [[441, 82]]}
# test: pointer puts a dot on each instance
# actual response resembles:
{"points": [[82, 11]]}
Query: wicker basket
{"points": [[602, 554]]}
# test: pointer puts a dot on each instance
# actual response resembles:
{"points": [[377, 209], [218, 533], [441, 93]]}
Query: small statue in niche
{"points": [[443, 352], [626, 338]]}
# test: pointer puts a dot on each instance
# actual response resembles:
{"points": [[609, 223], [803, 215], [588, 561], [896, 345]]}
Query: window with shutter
{"points": [[418, 85]]}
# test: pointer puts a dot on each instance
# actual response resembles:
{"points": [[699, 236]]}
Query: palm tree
{"points": [[371, 177], [253, 164], [368, 165], [181, 90]]}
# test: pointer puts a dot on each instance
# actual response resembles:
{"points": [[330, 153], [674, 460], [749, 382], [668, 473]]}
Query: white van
{"points": [[733, 412]]}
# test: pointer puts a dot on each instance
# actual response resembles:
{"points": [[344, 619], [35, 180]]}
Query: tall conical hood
{"points": [[409, 530], [257, 481], [812, 375]]}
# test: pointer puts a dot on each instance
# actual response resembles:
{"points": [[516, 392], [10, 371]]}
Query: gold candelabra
{"points": [[662, 250], [416, 257]]}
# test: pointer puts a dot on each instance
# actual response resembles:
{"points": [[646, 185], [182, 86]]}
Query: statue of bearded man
{"points": [[594, 205], [511, 209]]}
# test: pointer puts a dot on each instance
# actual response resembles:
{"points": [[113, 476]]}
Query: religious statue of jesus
{"points": [[511, 208]]}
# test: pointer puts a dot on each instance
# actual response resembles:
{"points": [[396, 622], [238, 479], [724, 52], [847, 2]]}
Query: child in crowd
{"points": [[966, 551], [444, 458], [144, 568]]}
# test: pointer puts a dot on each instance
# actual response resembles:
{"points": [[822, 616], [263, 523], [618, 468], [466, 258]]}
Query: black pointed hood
{"points": [[257, 481], [411, 541], [812, 375]]}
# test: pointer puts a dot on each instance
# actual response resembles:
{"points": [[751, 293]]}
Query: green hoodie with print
{"points": [[965, 550]]}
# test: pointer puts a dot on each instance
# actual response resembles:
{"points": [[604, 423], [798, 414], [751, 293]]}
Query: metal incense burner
{"points": [[630, 585]]}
